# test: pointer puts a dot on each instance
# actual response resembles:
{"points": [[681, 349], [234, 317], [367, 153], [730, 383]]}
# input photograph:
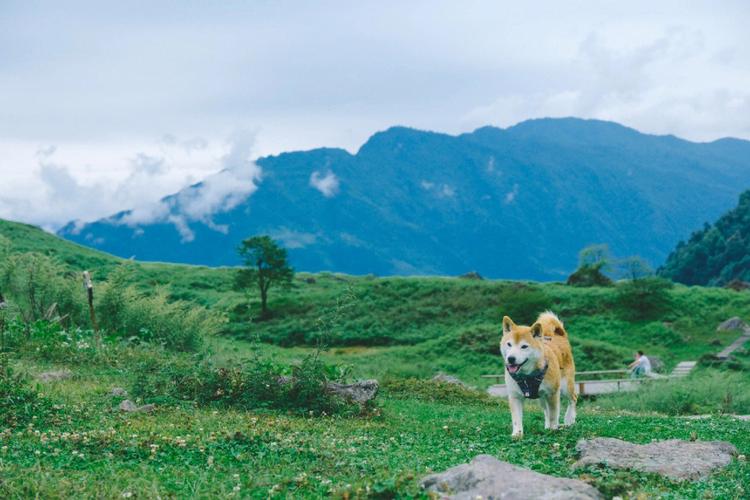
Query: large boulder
{"points": [[489, 478], [731, 324], [675, 459]]}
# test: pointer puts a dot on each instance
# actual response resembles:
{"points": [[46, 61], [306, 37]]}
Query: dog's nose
{"points": [[512, 360]]}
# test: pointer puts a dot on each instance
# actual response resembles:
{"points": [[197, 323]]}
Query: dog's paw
{"points": [[517, 435]]}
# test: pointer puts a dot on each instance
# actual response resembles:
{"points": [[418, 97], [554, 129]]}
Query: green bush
{"points": [[523, 302], [126, 312], [19, 403], [430, 390], [707, 391], [259, 384], [589, 275], [644, 298], [39, 288]]}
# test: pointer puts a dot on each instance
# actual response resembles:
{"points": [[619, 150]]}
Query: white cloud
{"points": [[327, 184], [510, 196], [217, 193], [293, 239]]}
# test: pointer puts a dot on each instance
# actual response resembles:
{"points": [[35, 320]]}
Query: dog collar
{"points": [[529, 383]]}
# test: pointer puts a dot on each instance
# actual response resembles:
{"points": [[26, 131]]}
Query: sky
{"points": [[106, 106]]}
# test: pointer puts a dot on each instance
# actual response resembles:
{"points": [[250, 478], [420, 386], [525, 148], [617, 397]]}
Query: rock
{"points": [[488, 477], [118, 392], [128, 406], [737, 285], [471, 275], [310, 281], [675, 459], [54, 375], [360, 392], [448, 379], [734, 323], [657, 365]]}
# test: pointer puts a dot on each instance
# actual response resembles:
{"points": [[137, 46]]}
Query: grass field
{"points": [[72, 441]]}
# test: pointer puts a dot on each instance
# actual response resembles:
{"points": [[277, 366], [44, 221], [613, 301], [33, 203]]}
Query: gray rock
{"points": [[472, 275], [54, 375], [675, 459], [128, 406], [657, 364], [448, 379], [118, 392], [359, 392], [734, 323], [488, 478]]}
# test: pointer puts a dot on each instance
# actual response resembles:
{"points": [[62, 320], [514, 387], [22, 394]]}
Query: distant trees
{"points": [[266, 265], [716, 254]]}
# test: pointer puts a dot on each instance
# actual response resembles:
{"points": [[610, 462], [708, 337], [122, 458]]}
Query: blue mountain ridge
{"points": [[516, 203]]}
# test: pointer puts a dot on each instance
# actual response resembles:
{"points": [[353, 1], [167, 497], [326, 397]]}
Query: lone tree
{"points": [[266, 265], [593, 262]]}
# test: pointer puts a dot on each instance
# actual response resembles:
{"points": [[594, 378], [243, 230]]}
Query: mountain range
{"points": [[516, 203]]}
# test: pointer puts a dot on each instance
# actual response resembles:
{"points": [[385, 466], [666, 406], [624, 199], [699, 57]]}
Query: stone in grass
{"points": [[128, 406], [675, 459], [54, 375], [118, 392], [734, 323], [487, 477], [359, 392], [449, 379]]}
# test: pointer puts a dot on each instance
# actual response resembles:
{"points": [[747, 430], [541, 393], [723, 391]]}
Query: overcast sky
{"points": [[111, 105]]}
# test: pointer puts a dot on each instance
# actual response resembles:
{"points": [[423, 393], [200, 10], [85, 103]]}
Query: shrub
{"points": [[19, 403], [707, 391], [430, 390], [178, 325], [41, 288], [484, 338], [589, 275], [523, 302], [644, 298], [259, 384]]}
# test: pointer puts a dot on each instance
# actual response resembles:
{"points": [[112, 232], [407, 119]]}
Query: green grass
{"points": [[181, 452], [392, 329]]}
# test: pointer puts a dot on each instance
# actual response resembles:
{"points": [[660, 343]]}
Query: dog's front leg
{"points": [[554, 409], [547, 413], [516, 415]]}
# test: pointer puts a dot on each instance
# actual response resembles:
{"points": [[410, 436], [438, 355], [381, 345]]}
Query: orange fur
{"points": [[548, 341]]}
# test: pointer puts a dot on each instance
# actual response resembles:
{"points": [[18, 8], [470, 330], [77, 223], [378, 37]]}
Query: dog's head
{"points": [[522, 346]]}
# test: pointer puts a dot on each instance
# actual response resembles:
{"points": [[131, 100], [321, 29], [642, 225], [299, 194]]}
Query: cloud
{"points": [[510, 196], [644, 85], [217, 193], [327, 184], [293, 239]]}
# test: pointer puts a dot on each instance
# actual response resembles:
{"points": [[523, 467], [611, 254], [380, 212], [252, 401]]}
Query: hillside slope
{"points": [[716, 254], [509, 203]]}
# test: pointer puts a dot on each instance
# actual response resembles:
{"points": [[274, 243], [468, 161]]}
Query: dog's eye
{"points": [[524, 347], [508, 344]]}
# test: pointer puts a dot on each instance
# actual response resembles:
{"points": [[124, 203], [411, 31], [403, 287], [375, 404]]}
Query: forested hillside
{"points": [[716, 254]]}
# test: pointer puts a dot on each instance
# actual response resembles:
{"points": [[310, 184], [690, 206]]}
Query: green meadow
{"points": [[216, 431]]}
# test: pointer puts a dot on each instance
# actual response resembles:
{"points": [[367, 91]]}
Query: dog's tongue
{"points": [[513, 368]]}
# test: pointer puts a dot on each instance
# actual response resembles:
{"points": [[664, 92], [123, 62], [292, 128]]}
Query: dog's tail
{"points": [[551, 324]]}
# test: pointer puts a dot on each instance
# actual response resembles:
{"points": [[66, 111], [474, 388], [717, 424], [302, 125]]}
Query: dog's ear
{"points": [[536, 330], [507, 324]]}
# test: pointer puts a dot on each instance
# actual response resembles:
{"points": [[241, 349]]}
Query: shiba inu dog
{"points": [[538, 364]]}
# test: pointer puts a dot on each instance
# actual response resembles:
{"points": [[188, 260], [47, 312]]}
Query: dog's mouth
{"points": [[513, 367]]}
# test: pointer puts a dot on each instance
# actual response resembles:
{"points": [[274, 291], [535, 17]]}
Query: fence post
{"points": [[89, 286]]}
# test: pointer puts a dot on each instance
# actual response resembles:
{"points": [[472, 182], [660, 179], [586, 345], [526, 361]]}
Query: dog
{"points": [[538, 364]]}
